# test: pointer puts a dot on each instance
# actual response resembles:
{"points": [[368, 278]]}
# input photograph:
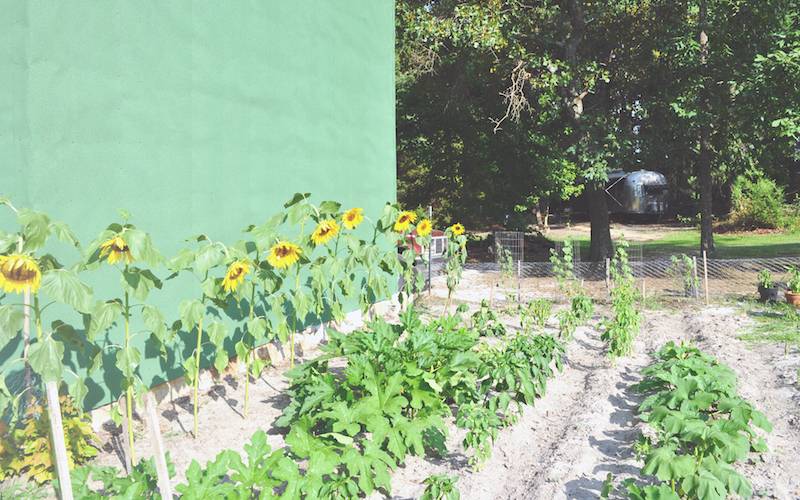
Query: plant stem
{"points": [[294, 318], [129, 388], [247, 356], [197, 372]]}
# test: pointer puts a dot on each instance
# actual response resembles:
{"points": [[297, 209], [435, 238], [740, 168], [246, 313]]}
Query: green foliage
{"points": [[141, 483], [535, 314], [623, 326], [765, 279], [440, 487], [683, 269], [702, 427], [486, 322], [25, 448], [793, 280], [757, 202], [582, 307], [456, 256], [563, 269]]}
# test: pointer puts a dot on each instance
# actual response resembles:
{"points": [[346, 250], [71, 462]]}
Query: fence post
{"points": [[694, 272], [162, 472], [608, 273], [126, 451], [705, 273]]}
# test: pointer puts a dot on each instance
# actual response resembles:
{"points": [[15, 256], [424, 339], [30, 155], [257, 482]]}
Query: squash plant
{"points": [[200, 262], [129, 250]]}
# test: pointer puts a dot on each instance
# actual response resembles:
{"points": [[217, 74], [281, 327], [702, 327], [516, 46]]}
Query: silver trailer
{"points": [[643, 192]]}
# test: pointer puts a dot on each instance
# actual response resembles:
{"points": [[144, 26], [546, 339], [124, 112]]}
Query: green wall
{"points": [[194, 116]]}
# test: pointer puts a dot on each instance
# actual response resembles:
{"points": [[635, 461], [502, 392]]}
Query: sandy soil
{"points": [[632, 232], [562, 447]]}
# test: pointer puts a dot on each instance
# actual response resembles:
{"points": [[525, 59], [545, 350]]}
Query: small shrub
{"points": [[757, 202], [793, 281], [535, 314], [765, 279]]}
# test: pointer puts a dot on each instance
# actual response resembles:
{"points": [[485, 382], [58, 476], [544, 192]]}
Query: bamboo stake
{"points": [[164, 485], [519, 282], [126, 451], [694, 273], [705, 273], [608, 273]]}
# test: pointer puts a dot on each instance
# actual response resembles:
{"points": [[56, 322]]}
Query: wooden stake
{"points": [[164, 486], [608, 273], [124, 437], [57, 437], [644, 288], [519, 282], [705, 273], [694, 273]]}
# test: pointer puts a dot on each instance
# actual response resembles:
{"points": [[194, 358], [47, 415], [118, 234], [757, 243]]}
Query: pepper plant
{"points": [[127, 249]]}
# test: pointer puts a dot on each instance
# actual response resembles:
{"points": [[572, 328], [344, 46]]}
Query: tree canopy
{"points": [[504, 106]]}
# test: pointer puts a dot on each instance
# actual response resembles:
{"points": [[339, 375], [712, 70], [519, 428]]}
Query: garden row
{"points": [[371, 399], [303, 265]]}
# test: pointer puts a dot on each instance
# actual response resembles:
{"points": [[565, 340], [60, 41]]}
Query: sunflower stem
{"points": [[247, 356], [129, 388], [197, 373]]}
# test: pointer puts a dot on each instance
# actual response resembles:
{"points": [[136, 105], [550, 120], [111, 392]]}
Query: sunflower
{"points": [[325, 230], [353, 217], [116, 250], [404, 221], [235, 275], [283, 254], [18, 272], [457, 229], [424, 227]]}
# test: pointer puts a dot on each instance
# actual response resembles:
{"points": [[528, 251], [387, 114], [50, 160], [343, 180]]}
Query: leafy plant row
{"points": [[700, 428], [375, 397], [623, 326]]}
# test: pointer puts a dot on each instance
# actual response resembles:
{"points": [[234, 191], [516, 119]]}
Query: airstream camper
{"points": [[640, 193]]}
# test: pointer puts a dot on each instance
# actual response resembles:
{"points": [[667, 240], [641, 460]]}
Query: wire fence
{"points": [[680, 277]]}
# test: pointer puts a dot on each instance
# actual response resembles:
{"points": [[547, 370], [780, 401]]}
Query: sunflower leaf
{"points": [[128, 359], [11, 322], [141, 246], [296, 198], [7, 240], [62, 231], [154, 320], [64, 285], [191, 312], [102, 317], [208, 257], [45, 357], [35, 228], [217, 333], [139, 282], [257, 327], [329, 207]]}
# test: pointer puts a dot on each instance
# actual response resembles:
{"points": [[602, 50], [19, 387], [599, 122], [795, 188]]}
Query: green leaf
{"points": [[296, 198], [141, 246], [329, 207], [65, 286], [191, 312], [217, 332], [128, 359], [257, 327], [64, 233], [189, 369], [221, 360], [11, 322], [154, 320], [78, 391], [182, 260], [208, 257], [102, 317], [45, 357], [35, 228], [139, 282]]}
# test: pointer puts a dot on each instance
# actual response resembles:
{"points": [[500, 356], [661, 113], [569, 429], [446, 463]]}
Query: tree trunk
{"points": [[600, 247], [704, 158]]}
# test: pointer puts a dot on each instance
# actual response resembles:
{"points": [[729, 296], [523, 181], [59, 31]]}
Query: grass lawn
{"points": [[729, 245]]}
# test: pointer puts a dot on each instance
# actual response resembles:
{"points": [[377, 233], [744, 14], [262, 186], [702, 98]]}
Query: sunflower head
{"points": [[424, 227], [353, 217], [324, 231], [235, 275], [283, 254], [19, 272], [404, 221], [116, 250], [457, 229]]}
